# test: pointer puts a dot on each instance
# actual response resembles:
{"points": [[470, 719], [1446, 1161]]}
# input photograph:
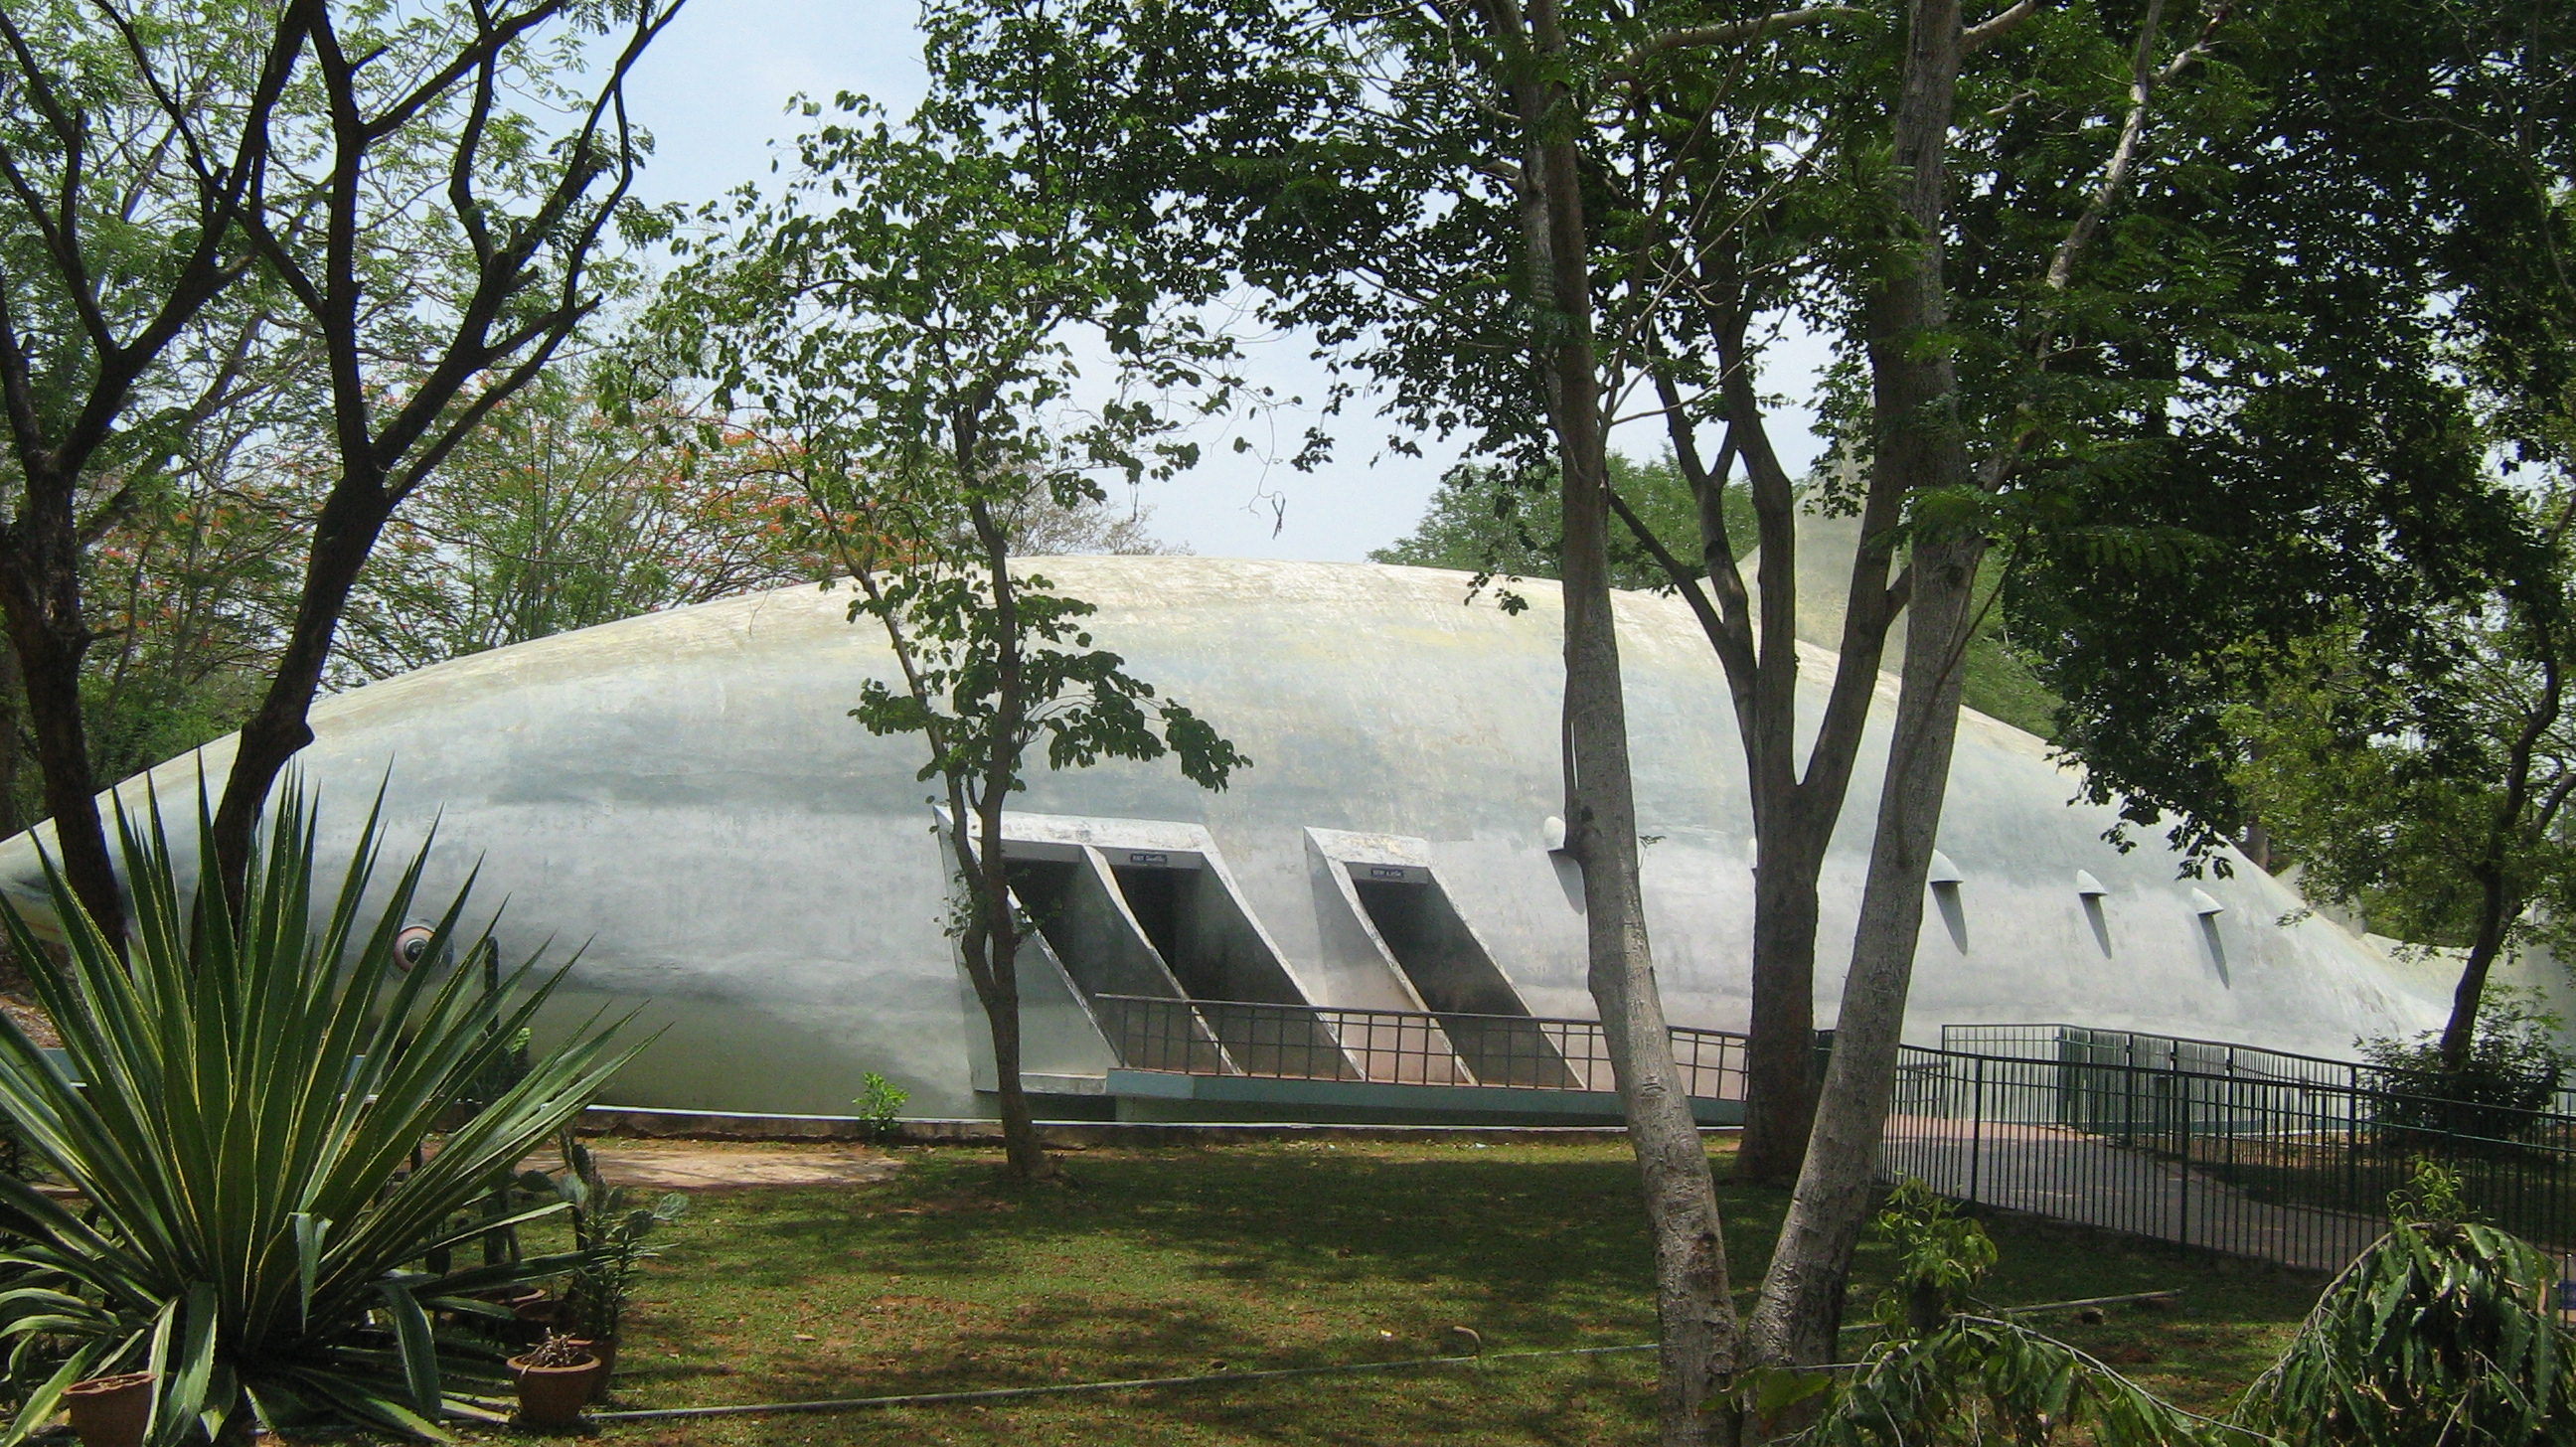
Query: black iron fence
{"points": [[2207, 1057], [2291, 1165], [2256, 1152], [1311, 1042]]}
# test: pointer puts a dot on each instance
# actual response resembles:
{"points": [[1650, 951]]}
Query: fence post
{"points": [[1977, 1133], [2182, 1232]]}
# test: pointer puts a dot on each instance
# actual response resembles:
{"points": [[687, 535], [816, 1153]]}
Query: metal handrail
{"points": [[2292, 1170], [2361, 1075], [1411, 1047]]}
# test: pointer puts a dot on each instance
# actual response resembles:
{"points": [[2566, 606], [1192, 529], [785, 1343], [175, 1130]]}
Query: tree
{"points": [[897, 318], [561, 513], [1525, 217], [1488, 519], [2353, 565], [2352, 489], [133, 144], [2020, 334], [2435, 803], [416, 358]]}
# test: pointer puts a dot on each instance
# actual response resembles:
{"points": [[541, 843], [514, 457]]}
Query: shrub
{"points": [[259, 1234], [2442, 1334], [2514, 1069], [880, 1102]]}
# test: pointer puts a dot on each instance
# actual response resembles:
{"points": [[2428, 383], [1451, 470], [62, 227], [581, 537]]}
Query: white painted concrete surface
{"points": [[683, 797]]}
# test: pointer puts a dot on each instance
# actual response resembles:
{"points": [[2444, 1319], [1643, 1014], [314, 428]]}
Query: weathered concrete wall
{"points": [[683, 797]]}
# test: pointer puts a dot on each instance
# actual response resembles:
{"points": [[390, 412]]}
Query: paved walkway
{"points": [[678, 1165], [2073, 1176]]}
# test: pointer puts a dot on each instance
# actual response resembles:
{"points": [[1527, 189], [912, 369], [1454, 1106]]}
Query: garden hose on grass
{"points": [[1005, 1394], [1000, 1394]]}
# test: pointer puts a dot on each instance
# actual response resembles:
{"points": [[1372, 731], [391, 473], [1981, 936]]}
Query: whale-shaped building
{"points": [[684, 796]]}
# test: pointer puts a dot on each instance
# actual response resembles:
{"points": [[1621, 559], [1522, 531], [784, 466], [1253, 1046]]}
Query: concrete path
{"points": [[2073, 1176], [723, 1165]]}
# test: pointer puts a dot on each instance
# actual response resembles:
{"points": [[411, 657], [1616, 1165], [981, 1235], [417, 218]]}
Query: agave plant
{"points": [[264, 1231]]}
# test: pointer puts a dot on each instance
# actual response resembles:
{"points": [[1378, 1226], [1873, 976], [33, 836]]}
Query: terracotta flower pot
{"points": [[554, 1396], [606, 1351], [111, 1411], [534, 1314]]}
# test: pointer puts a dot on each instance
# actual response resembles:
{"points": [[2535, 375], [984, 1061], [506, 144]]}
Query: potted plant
{"points": [[610, 1234], [111, 1411], [556, 1379]]}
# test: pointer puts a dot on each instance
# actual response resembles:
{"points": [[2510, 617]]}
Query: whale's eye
{"points": [[412, 945]]}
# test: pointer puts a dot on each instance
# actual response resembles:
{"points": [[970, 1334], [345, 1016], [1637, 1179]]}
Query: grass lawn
{"points": [[1173, 1261]]}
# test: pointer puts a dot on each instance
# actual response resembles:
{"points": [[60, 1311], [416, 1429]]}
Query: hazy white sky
{"points": [[714, 90]]}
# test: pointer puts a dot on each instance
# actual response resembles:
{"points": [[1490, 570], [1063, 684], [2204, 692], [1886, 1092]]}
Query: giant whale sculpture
{"points": [[684, 797]]}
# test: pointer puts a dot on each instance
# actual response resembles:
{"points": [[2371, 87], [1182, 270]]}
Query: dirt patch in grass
{"points": [[718, 1165], [1177, 1261]]}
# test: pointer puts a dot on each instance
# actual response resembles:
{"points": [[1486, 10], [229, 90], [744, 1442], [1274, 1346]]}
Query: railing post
{"points": [[1977, 1134], [2182, 1210]]}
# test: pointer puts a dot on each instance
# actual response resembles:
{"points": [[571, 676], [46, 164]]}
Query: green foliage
{"points": [[1493, 519], [2387, 233], [1980, 1379], [880, 1102], [1077, 697], [901, 321], [900, 314], [2442, 1334], [2432, 1193], [257, 1232], [566, 509], [2514, 1067], [1939, 1375], [1999, 681], [2406, 791], [608, 1229], [1939, 1255]]}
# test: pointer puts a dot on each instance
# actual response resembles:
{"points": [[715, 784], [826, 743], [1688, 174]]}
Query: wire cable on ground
{"points": [[1269, 1374], [1002, 1394]]}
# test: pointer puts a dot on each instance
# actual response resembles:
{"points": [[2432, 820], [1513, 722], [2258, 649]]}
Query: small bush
{"points": [[880, 1102], [2514, 1068]]}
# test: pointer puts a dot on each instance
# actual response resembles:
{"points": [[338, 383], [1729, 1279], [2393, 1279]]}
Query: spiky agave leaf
{"points": [[253, 1087]]}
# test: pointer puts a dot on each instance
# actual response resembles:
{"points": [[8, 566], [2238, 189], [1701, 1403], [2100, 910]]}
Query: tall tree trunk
{"points": [[343, 536], [989, 876], [2497, 904], [1802, 1296], [992, 966], [1779, 1046], [1917, 447], [1795, 812], [13, 756], [1694, 1307], [40, 602], [2460, 1032]]}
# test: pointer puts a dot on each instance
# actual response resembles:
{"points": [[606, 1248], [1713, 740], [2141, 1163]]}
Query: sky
{"points": [[714, 91]]}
